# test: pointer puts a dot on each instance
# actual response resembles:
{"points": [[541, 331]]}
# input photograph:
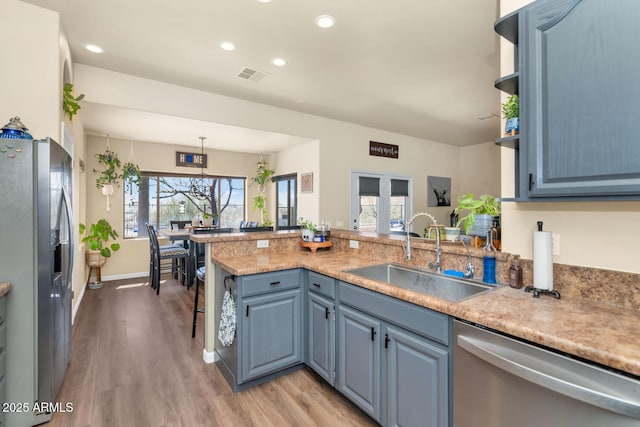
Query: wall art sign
{"points": [[381, 149], [191, 160], [306, 182]]}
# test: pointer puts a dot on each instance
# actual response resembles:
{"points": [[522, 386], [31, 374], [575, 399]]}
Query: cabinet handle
{"points": [[247, 311], [531, 183], [373, 334], [316, 284], [274, 283], [326, 312], [386, 340]]}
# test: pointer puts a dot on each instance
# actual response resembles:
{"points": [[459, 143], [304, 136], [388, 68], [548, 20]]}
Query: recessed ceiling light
{"points": [[227, 46], [278, 62], [93, 48], [325, 21], [264, 1]]}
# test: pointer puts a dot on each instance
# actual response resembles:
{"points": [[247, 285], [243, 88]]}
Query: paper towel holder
{"points": [[537, 292]]}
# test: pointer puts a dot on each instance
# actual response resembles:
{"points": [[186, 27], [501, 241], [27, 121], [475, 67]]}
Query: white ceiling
{"points": [[415, 67]]}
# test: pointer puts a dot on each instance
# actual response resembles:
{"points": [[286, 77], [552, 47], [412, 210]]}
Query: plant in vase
{"points": [[308, 229], [511, 112], [479, 213], [114, 172]]}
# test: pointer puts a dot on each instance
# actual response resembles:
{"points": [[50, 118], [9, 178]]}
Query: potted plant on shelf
{"points": [[308, 230], [511, 112], [479, 213], [99, 249]]}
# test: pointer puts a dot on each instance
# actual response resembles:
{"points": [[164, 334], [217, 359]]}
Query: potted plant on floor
{"points": [[98, 236], [511, 112], [479, 213]]}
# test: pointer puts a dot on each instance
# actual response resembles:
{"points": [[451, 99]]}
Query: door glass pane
{"points": [[369, 209], [397, 213]]}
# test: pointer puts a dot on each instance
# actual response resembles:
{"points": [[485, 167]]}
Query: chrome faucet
{"points": [[470, 271], [437, 265]]}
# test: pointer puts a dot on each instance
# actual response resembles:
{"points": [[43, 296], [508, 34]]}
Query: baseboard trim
{"points": [[76, 306], [209, 357], [125, 276]]}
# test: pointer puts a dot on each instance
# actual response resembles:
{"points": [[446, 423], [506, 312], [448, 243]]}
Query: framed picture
{"points": [[306, 182], [438, 191]]}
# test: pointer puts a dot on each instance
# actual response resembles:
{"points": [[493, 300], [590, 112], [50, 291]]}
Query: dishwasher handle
{"points": [[514, 361]]}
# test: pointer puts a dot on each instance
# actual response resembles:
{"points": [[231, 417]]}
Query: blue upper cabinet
{"points": [[579, 86]]}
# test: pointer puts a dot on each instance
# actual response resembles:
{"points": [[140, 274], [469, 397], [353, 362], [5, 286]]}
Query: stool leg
{"points": [[195, 308]]}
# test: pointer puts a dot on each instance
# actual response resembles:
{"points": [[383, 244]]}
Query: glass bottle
{"points": [[515, 273], [489, 260]]}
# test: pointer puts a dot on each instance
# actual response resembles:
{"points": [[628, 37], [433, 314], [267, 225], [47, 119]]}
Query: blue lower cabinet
{"points": [[417, 383], [393, 358], [358, 370], [321, 336], [271, 333]]}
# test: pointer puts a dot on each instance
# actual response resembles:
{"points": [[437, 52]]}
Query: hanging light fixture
{"points": [[199, 187]]}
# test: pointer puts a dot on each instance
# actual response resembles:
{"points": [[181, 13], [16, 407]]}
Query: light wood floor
{"points": [[134, 363]]}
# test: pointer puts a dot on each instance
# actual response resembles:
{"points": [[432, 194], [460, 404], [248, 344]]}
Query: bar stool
{"points": [[158, 254]]}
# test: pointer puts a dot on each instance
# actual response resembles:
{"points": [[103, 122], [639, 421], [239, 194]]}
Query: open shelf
{"points": [[507, 27], [509, 83], [509, 141]]}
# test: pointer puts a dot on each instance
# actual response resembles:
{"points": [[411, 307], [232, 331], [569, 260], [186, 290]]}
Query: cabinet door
{"points": [[580, 97], [321, 336], [358, 368], [271, 333], [416, 377]]}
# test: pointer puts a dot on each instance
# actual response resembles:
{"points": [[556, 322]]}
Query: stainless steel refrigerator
{"points": [[36, 257]]}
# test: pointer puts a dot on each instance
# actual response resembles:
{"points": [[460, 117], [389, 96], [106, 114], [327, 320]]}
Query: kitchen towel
{"points": [[542, 260], [227, 328]]}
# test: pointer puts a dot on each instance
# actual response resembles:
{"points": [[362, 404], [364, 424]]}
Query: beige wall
{"points": [[133, 256], [299, 159], [592, 234], [343, 146]]}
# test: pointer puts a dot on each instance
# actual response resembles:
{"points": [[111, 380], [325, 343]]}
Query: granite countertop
{"points": [[5, 287], [604, 334]]}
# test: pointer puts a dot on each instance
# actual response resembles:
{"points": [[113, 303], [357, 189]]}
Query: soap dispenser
{"points": [[489, 259]]}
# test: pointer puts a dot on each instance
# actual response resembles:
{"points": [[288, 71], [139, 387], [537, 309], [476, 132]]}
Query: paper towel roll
{"points": [[542, 260]]}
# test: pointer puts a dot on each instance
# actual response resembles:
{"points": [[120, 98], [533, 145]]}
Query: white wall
{"points": [[133, 256], [592, 234]]}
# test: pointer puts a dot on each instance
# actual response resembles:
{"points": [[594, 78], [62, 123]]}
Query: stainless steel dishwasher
{"points": [[499, 381]]}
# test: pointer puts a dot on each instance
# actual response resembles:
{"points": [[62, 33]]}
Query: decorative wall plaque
{"points": [[192, 160], [381, 149]]}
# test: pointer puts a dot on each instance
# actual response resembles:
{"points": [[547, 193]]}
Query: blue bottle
{"points": [[489, 259]]}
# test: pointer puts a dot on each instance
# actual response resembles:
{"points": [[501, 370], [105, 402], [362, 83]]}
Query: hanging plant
{"points": [[115, 171], [70, 104], [263, 173], [131, 173]]}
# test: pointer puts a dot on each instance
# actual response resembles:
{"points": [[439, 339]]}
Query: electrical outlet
{"points": [[263, 243], [354, 244], [555, 244]]}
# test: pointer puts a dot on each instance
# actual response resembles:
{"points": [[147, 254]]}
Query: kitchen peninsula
{"points": [[590, 329], [601, 332]]}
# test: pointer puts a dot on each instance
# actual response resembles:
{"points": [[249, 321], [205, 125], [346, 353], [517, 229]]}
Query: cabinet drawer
{"points": [[256, 284], [420, 320], [321, 284]]}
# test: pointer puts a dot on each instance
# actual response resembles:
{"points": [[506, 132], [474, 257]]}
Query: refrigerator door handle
{"points": [[514, 360], [67, 204]]}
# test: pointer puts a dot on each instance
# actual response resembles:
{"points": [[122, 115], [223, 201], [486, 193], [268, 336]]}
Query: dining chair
{"points": [[200, 272], [253, 224], [179, 224], [161, 253]]}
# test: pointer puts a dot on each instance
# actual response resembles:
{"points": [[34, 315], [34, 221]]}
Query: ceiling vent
{"points": [[252, 74], [487, 116]]}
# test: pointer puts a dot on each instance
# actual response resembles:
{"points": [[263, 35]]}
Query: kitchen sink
{"points": [[426, 282]]}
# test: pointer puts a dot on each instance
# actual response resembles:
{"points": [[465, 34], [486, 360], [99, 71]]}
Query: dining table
{"points": [[184, 235]]}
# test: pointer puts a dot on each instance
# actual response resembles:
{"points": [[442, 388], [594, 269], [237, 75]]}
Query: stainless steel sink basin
{"points": [[438, 285]]}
